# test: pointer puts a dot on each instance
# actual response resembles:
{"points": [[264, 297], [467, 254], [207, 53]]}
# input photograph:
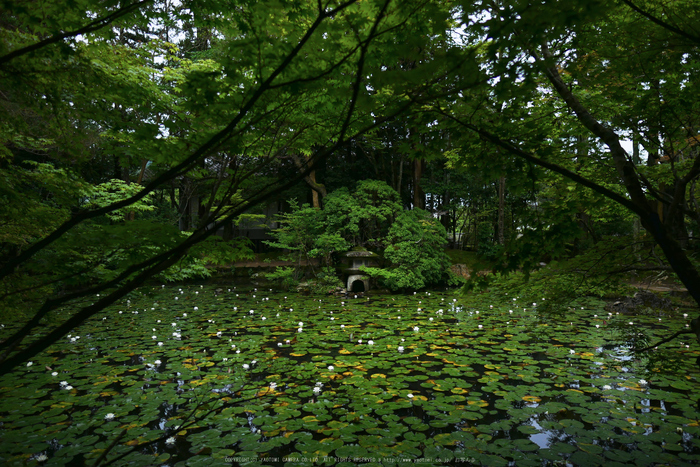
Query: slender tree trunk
{"points": [[501, 209], [314, 193], [317, 189], [418, 195]]}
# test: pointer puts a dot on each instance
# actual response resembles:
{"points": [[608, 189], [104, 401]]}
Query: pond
{"points": [[196, 375]]}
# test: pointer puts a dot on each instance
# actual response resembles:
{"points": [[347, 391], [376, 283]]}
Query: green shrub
{"points": [[416, 251]]}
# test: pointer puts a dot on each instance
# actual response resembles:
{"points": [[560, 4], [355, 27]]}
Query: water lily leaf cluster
{"points": [[196, 374]]}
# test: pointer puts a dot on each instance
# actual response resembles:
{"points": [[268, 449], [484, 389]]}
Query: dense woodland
{"points": [[141, 140]]}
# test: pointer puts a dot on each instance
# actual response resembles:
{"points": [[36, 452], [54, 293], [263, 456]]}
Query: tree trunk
{"points": [[649, 219], [316, 188], [314, 193], [418, 195], [501, 210]]}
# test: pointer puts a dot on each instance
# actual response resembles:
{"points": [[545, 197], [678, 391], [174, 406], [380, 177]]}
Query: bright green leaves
{"points": [[415, 249], [114, 191]]}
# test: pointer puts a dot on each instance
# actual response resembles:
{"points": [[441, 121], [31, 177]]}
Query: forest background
{"points": [[139, 138]]}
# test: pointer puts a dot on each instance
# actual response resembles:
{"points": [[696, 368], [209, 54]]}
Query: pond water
{"points": [[195, 375]]}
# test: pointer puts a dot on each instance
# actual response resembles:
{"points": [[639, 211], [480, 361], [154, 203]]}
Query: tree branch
{"points": [[662, 23], [182, 167], [91, 27]]}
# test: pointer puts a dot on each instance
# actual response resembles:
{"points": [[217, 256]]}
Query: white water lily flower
{"points": [[246, 366], [415, 328], [55, 373], [400, 348], [224, 359], [184, 315], [253, 362], [251, 312], [263, 318], [109, 416], [41, 457], [359, 341], [279, 344], [331, 367], [480, 326], [300, 324], [317, 390], [170, 441], [30, 363], [410, 396], [273, 385], [154, 337], [218, 333], [430, 319], [597, 325], [160, 344], [370, 342], [176, 298], [572, 351], [607, 387], [68, 388], [157, 362], [643, 382], [63, 383], [299, 330], [342, 326], [238, 351], [319, 384]]}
